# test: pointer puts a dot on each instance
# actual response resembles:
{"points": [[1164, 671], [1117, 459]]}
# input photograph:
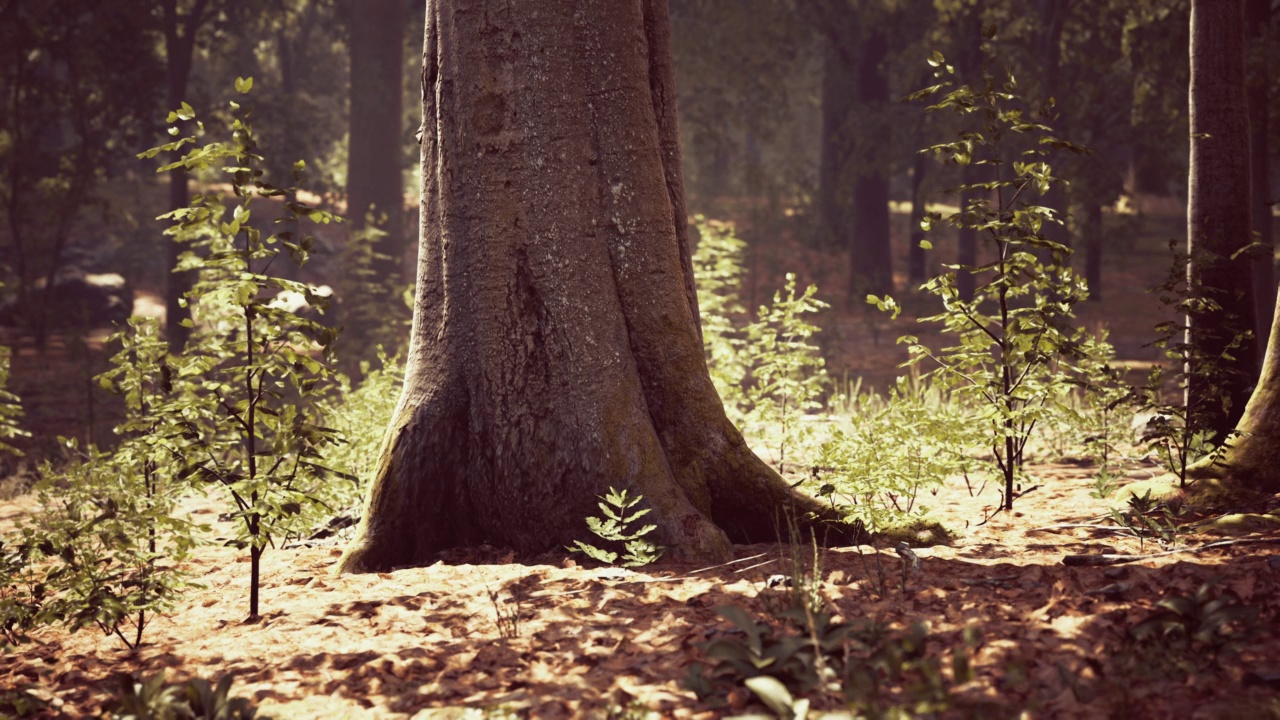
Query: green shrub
{"points": [[718, 272], [787, 374], [196, 699], [767, 371], [884, 451], [360, 415], [105, 549]]}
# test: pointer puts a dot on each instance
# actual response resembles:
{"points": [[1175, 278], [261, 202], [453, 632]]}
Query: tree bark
{"points": [[916, 263], [1264, 275], [967, 237], [556, 347], [1053, 16], [179, 44], [1094, 234], [871, 258], [835, 197], [1253, 460], [1218, 219], [374, 163]]}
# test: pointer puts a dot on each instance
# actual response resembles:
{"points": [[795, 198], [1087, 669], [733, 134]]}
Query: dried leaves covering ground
{"points": [[426, 642]]}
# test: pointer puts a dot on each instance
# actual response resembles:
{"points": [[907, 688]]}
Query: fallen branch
{"points": [[1062, 526], [1108, 559]]}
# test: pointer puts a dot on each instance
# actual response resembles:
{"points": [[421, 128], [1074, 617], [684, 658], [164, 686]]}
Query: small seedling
{"points": [[617, 527]]}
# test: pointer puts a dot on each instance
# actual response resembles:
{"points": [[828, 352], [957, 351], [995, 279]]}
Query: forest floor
{"points": [[606, 642]]}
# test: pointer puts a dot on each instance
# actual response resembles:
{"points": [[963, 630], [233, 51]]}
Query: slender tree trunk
{"points": [[871, 259], [1093, 230], [1052, 16], [556, 347], [835, 174], [180, 35], [1218, 219], [375, 162], [968, 243], [1264, 276], [916, 272]]}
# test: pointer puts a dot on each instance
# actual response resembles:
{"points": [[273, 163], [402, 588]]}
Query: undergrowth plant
{"points": [[865, 666], [106, 547], [786, 372], [256, 366], [767, 371], [1176, 437], [359, 413], [10, 409], [1010, 337], [154, 699], [885, 451], [375, 309], [618, 528], [718, 273]]}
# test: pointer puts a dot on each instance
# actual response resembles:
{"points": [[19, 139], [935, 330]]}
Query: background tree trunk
{"points": [[376, 151], [916, 262], [1218, 218], [871, 259], [556, 347], [835, 172], [1264, 274], [179, 46], [967, 251]]}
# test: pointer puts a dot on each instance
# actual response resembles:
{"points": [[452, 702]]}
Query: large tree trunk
{"points": [[1218, 219], [556, 347], [1253, 460], [1264, 274], [871, 259]]}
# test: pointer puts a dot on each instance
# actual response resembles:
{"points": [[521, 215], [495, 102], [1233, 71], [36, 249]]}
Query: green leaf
{"points": [[244, 85]]}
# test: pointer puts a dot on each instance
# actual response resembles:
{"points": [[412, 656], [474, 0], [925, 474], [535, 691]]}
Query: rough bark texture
{"points": [[1218, 215], [556, 348], [374, 164], [1264, 275], [1253, 460]]}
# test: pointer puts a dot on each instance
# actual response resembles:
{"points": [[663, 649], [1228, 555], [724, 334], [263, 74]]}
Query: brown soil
{"points": [[424, 640]]}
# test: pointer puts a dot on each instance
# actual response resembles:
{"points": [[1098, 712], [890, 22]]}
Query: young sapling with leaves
{"points": [[256, 368], [1012, 337]]}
